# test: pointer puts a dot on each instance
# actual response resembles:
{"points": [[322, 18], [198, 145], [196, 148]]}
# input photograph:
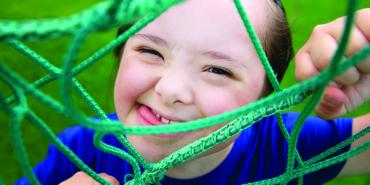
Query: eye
{"points": [[219, 71], [150, 51]]}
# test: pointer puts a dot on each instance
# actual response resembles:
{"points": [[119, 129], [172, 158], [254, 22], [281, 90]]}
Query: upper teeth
{"points": [[163, 120]]}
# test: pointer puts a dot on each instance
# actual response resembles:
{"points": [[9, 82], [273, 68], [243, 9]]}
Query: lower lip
{"points": [[147, 118]]}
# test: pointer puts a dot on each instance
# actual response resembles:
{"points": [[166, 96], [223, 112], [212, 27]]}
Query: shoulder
{"points": [[76, 134], [80, 134], [311, 123], [266, 147], [315, 133]]}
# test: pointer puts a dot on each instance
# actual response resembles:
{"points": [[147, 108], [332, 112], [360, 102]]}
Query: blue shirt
{"points": [[258, 153]]}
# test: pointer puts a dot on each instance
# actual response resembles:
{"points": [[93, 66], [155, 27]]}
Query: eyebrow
{"points": [[218, 55], [221, 56], [152, 38]]}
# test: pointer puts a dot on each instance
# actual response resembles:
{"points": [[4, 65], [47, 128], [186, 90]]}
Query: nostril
{"points": [[177, 101]]}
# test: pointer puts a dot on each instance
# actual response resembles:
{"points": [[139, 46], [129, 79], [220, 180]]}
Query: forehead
{"points": [[205, 21]]}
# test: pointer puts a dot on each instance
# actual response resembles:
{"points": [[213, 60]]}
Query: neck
{"points": [[200, 165]]}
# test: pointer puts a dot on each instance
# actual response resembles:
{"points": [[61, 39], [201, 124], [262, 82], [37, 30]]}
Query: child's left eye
{"points": [[219, 71]]}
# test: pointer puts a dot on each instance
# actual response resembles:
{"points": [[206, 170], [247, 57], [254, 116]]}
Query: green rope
{"points": [[17, 116], [115, 13], [117, 152]]}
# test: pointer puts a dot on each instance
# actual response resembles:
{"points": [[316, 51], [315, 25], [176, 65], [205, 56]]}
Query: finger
{"points": [[358, 93], [363, 23], [358, 39], [332, 103], [304, 67], [80, 178], [364, 66], [338, 101], [322, 49], [357, 42], [109, 178]]}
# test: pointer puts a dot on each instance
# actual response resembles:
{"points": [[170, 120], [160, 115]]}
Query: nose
{"points": [[174, 87]]}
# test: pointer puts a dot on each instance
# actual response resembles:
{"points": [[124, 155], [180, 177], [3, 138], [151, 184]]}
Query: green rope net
{"points": [[116, 13]]}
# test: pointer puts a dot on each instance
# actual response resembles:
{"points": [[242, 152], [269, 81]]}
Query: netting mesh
{"points": [[116, 13]]}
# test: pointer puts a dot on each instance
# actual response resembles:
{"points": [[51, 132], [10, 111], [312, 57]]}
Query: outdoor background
{"points": [[98, 79]]}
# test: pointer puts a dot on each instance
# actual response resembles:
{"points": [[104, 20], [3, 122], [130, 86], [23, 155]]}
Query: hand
{"points": [[352, 88], [81, 178]]}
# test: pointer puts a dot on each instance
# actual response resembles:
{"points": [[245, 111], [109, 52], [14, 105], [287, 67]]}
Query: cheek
{"points": [[212, 104], [218, 101], [131, 81]]}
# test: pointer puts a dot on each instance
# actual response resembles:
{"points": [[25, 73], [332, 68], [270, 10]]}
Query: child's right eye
{"points": [[150, 51]]}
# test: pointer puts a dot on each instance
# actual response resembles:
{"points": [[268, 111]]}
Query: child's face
{"points": [[194, 61]]}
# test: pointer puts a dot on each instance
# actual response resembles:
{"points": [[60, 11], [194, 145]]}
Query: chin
{"points": [[152, 148]]}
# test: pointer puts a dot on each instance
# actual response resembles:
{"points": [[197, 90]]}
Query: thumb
{"points": [[332, 103]]}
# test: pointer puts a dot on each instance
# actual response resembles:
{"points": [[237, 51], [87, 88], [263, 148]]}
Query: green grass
{"points": [[303, 15]]}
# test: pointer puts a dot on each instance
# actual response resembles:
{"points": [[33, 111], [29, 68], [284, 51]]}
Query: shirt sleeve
{"points": [[56, 167], [318, 135]]}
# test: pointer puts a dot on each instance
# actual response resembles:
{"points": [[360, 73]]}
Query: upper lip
{"points": [[166, 116]]}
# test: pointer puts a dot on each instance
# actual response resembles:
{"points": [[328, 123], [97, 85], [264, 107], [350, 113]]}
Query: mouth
{"points": [[151, 117]]}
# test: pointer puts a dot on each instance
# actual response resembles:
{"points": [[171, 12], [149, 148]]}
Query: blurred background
{"points": [[98, 79]]}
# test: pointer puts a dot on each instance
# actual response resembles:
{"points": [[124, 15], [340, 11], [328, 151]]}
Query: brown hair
{"points": [[277, 43]]}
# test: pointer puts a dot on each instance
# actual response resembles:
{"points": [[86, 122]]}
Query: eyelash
{"points": [[212, 69], [150, 51], [219, 71]]}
